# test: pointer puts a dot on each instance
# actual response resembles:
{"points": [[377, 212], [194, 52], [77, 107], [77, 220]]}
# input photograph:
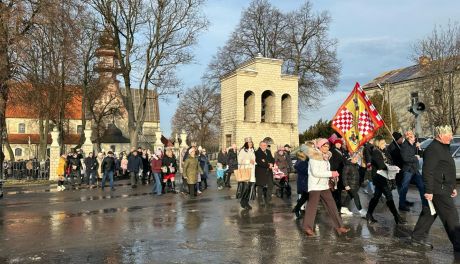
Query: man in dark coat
{"points": [[134, 167], [410, 154], [75, 167], [91, 165], [108, 167], [440, 188], [264, 173]]}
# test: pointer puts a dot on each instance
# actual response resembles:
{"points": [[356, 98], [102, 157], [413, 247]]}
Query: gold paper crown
{"points": [[442, 130]]}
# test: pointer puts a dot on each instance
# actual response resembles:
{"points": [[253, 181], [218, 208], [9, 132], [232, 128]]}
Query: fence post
{"points": [[54, 154]]}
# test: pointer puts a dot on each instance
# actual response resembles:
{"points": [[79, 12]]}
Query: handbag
{"points": [[242, 175]]}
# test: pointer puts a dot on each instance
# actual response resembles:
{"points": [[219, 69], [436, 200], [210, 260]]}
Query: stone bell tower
{"points": [[258, 101]]}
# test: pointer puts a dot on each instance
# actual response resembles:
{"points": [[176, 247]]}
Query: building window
{"points": [[22, 128], [249, 106], [267, 113], [79, 129], [286, 108], [228, 140], [18, 152], [414, 98]]}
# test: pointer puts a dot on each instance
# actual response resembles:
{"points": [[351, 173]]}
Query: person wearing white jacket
{"points": [[247, 160], [319, 174]]}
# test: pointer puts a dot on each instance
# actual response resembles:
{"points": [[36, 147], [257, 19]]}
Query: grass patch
{"points": [[21, 183]]}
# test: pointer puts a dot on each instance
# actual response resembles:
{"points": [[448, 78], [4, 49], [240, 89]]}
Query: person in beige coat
{"points": [[247, 160], [191, 170]]}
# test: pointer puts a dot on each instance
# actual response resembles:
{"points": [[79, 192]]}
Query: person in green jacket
{"points": [[191, 170]]}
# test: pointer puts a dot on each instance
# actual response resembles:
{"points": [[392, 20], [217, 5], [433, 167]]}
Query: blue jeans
{"points": [[157, 186], [110, 174], [418, 180]]}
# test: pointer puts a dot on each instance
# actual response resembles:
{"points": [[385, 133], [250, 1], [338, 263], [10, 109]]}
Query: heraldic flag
{"points": [[357, 120]]}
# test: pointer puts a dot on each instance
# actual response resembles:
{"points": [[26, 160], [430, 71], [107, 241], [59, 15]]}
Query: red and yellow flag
{"points": [[357, 120]]}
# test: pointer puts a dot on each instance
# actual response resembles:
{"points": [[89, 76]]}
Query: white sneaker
{"points": [[363, 212], [59, 188], [62, 187], [345, 211]]}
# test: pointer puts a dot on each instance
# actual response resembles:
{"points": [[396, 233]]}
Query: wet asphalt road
{"points": [[39, 225]]}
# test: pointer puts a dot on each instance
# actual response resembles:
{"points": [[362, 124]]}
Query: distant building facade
{"points": [[403, 88]]}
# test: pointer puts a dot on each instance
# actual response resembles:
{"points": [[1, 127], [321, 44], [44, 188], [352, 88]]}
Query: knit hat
{"points": [[321, 141], [110, 152], [396, 135], [287, 146], [338, 141], [333, 138]]}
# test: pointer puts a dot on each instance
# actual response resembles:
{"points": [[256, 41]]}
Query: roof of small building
{"points": [[395, 76], [70, 139]]}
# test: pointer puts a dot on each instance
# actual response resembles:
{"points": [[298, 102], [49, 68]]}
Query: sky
{"points": [[373, 37]]}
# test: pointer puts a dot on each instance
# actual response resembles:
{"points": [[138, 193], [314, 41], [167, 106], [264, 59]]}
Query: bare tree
{"points": [[48, 62], [86, 55], [16, 19], [152, 38], [198, 113], [439, 58], [300, 38]]}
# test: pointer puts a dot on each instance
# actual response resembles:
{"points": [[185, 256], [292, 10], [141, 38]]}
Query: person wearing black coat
{"points": [[108, 167], [264, 173], [394, 149], [410, 154], [337, 163], [91, 165], [232, 161], [75, 169], [439, 178], [301, 167], [134, 167], [382, 186], [350, 179]]}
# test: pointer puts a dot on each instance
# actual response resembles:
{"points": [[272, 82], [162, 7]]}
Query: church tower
{"points": [[258, 101]]}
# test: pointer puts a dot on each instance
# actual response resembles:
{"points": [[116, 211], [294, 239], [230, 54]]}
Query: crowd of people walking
{"points": [[325, 170]]}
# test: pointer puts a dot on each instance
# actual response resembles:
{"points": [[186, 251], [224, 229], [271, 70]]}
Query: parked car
{"points": [[425, 143]]}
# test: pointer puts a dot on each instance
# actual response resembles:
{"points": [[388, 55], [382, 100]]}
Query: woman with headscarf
{"points": [[319, 174], [191, 170], [247, 160], [382, 186]]}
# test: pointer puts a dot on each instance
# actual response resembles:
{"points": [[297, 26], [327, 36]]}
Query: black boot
{"points": [[163, 187], [173, 189], [372, 204], [398, 219], [205, 183], [303, 198]]}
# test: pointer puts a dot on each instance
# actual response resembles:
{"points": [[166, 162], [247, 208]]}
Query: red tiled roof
{"points": [[71, 139], [18, 107]]}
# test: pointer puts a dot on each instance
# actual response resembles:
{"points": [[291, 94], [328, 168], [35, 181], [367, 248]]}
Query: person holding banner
{"points": [[247, 162], [439, 180], [382, 184]]}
